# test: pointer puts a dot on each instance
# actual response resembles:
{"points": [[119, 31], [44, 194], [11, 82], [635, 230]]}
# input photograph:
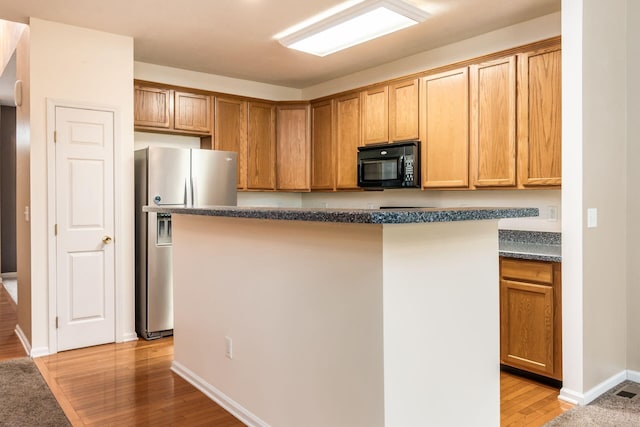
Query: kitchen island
{"points": [[329, 317]]}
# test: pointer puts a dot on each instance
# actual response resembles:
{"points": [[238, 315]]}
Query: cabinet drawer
{"points": [[529, 271]]}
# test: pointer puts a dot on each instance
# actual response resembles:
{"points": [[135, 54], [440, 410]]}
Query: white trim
{"points": [[588, 397], [23, 339], [52, 103], [217, 396], [633, 376], [129, 336], [11, 275]]}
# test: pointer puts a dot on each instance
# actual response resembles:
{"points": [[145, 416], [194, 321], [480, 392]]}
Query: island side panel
{"points": [[302, 302], [441, 324]]}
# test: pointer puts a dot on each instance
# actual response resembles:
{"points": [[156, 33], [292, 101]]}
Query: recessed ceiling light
{"points": [[364, 21]]}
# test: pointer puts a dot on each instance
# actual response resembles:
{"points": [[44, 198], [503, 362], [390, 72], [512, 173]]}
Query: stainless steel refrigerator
{"points": [[171, 177]]}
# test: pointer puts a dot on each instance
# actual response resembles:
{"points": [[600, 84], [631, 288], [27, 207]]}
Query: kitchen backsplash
{"points": [[547, 201]]}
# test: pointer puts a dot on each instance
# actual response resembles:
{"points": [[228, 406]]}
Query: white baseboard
{"points": [[577, 398], [40, 351], [23, 339], [217, 396], [9, 275], [130, 336], [633, 376]]}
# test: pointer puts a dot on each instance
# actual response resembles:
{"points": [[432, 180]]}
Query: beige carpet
{"points": [[608, 410], [25, 398]]}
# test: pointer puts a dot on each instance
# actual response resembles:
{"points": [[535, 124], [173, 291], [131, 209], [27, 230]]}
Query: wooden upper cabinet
{"points": [[153, 107], [493, 123], [261, 147], [293, 148], [539, 118], [403, 110], [375, 115], [192, 112], [231, 132], [322, 151], [444, 128], [347, 140]]}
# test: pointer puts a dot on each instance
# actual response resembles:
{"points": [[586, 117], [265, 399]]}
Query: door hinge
{"points": [[55, 136], [56, 322], [55, 229]]}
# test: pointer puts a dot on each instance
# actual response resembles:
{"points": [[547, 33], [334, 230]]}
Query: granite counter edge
{"points": [[356, 216]]}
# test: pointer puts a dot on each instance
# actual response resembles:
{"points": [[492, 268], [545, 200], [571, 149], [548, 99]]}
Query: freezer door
{"points": [[214, 177], [168, 175]]}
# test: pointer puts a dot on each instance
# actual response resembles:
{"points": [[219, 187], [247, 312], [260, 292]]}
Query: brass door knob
{"points": [[106, 240]]}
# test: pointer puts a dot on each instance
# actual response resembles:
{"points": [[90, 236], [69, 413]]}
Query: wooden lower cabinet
{"points": [[531, 316]]}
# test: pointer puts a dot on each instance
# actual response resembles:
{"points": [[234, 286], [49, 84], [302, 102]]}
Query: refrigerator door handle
{"points": [[194, 191], [188, 197]]}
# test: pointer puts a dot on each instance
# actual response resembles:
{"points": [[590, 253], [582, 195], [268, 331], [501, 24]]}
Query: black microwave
{"points": [[394, 165]]}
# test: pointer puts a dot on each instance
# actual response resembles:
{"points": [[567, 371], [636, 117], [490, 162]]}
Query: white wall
{"points": [[84, 67], [214, 83], [541, 199], [505, 38], [341, 325], [594, 176], [604, 187], [10, 33], [145, 139], [633, 158]]}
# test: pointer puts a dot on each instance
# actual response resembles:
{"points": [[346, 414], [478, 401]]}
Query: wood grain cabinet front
{"points": [[403, 110], [322, 146], [530, 316], [163, 109], [153, 107], [539, 118], [375, 115], [293, 164], [231, 132], [493, 123], [192, 112], [261, 146], [347, 140], [444, 128]]}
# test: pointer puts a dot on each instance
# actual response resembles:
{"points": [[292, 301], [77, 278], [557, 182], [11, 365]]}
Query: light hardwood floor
{"points": [[131, 384], [10, 345]]}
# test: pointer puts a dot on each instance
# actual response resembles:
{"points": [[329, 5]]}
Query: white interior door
{"points": [[85, 225]]}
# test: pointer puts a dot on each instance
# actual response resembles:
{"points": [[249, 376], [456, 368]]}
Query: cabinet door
{"points": [[403, 110], [444, 128], [322, 153], [526, 317], [192, 112], [231, 132], [493, 123], [261, 146], [347, 131], [153, 107], [539, 118], [292, 141], [375, 115]]}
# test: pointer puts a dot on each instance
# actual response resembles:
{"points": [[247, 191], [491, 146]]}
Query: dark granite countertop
{"points": [[533, 245], [356, 216]]}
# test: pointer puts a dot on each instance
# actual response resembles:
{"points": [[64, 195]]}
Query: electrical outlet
{"points": [[553, 213], [228, 347]]}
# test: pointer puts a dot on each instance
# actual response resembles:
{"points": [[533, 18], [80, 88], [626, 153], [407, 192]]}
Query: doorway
{"points": [[84, 277]]}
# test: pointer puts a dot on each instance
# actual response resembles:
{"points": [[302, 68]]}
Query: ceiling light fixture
{"points": [[363, 22]]}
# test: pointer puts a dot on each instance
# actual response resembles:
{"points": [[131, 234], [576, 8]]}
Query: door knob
{"points": [[106, 240]]}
